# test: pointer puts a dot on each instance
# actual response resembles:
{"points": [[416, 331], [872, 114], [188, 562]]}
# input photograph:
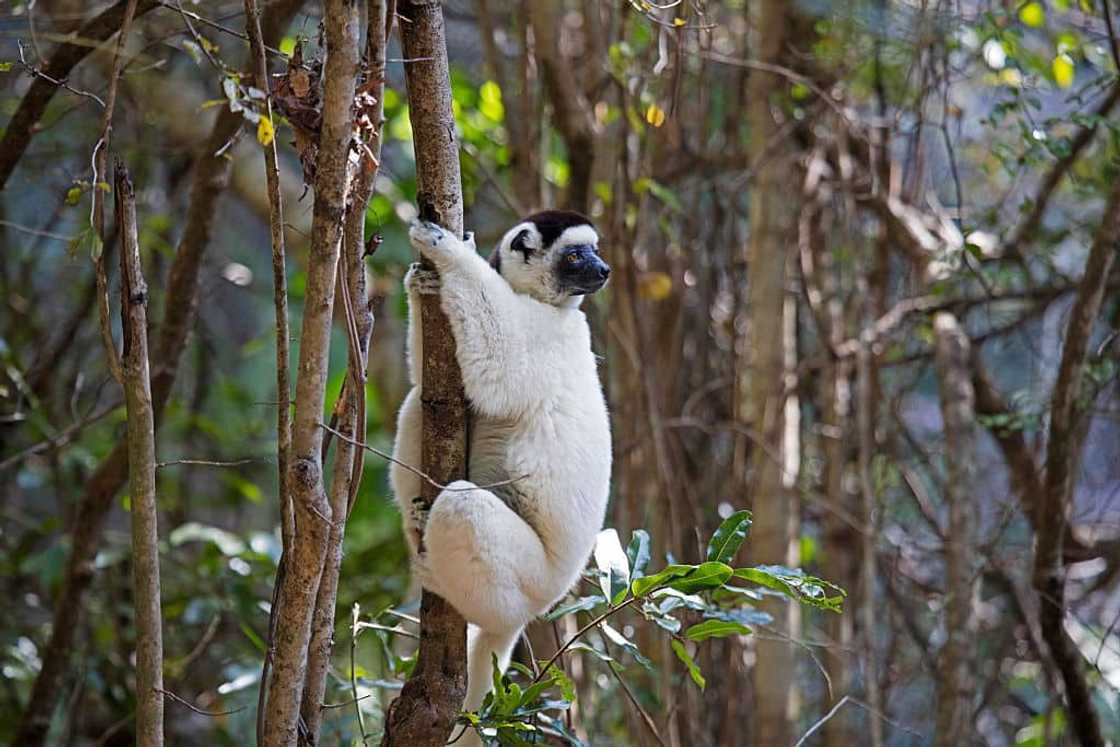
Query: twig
{"points": [[354, 628], [414, 470], [389, 629], [634, 701], [343, 704], [579, 634], [35, 231], [177, 7], [58, 440], [207, 462], [844, 701], [99, 160], [32, 70], [196, 709]]}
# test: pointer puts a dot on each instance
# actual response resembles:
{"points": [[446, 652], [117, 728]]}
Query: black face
{"points": [[580, 270]]}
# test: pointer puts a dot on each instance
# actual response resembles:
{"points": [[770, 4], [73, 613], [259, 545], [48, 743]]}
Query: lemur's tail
{"points": [[482, 646]]}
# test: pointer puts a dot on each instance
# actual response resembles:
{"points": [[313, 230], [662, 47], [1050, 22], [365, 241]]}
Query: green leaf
{"points": [[614, 570], [581, 646], [637, 553], [693, 670], [652, 612], [729, 537], [626, 644], [808, 590], [580, 605], [709, 575], [641, 586], [715, 629]]}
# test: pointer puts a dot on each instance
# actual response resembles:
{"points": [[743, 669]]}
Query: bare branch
{"points": [[141, 472]]}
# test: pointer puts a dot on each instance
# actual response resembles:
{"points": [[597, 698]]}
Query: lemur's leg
{"points": [[406, 484], [484, 559], [488, 324]]}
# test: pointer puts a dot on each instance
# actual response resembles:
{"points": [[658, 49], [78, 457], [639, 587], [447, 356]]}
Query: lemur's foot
{"points": [[419, 280]]}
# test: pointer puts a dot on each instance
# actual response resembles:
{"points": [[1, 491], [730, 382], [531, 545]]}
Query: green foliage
{"points": [[701, 593]]}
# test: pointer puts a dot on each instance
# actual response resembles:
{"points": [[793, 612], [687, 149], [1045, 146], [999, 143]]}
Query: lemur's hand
{"points": [[419, 280], [437, 243]]}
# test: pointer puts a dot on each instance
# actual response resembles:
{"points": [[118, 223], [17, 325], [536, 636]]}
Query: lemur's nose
{"points": [[604, 271]]}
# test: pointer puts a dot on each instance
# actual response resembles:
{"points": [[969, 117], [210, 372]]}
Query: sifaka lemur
{"points": [[539, 432]]}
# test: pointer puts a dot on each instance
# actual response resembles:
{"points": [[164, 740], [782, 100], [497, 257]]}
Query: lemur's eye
{"points": [[572, 257]]}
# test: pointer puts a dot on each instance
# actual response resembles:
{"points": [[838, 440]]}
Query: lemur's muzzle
{"points": [[580, 270]]}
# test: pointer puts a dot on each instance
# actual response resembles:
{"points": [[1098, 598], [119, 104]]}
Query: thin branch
{"points": [[196, 709], [36, 72], [61, 439], [1027, 229], [415, 470], [579, 634], [840, 704], [283, 334], [100, 160], [136, 380], [207, 462]]}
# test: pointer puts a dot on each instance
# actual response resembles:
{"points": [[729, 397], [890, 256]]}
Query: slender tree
{"points": [[141, 472], [426, 709], [210, 177], [311, 511]]}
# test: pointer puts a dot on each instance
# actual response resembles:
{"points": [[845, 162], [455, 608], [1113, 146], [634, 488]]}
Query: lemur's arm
{"points": [[491, 345], [417, 282]]}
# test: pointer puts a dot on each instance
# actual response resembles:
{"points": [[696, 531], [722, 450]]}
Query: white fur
{"points": [[502, 556]]}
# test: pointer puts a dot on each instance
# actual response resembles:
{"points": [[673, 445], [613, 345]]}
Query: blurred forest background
{"points": [[865, 286]]}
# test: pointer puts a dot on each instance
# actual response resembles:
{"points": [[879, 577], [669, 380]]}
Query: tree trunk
{"points": [[312, 517], [348, 458], [1062, 449], [958, 415], [141, 473], [211, 176], [423, 714], [762, 404]]}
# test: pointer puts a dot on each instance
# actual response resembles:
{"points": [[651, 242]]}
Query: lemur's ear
{"points": [[522, 242], [496, 259]]}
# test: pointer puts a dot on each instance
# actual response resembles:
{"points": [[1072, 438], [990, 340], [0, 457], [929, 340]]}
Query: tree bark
{"points": [[761, 402], [1061, 454], [312, 516], [211, 177], [423, 714], [958, 415], [348, 458], [141, 472], [84, 39]]}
